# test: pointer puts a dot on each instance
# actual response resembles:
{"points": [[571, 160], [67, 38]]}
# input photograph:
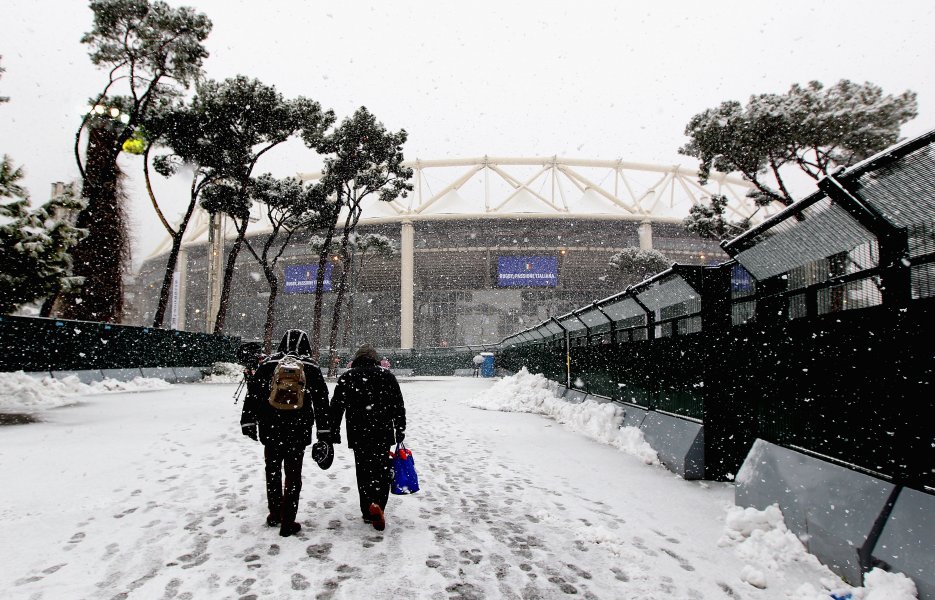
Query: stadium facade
{"points": [[484, 247]]}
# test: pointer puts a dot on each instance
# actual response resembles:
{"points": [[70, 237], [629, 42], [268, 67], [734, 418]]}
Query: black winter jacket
{"points": [[291, 429], [376, 415]]}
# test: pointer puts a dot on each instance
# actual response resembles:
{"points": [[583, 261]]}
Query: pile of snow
{"points": [[525, 392], [20, 392], [878, 585], [224, 372], [762, 540]]}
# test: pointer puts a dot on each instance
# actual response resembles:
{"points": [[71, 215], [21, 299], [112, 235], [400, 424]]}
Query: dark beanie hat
{"points": [[366, 351]]}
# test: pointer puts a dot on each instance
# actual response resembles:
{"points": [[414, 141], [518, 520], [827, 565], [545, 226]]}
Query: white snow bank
{"points": [[224, 372], [20, 392], [878, 585], [524, 392], [762, 540]]}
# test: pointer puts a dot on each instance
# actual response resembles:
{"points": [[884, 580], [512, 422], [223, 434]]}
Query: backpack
{"points": [[287, 389]]}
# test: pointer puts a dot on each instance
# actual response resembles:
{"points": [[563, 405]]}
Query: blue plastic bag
{"points": [[405, 480]]}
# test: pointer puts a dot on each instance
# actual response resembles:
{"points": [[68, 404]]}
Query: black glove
{"points": [[400, 436], [249, 430]]}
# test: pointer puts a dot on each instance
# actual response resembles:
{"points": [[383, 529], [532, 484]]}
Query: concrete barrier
{"points": [[560, 391], [121, 374], [84, 376], [165, 373], [189, 374], [575, 396], [464, 372], [599, 399], [633, 416], [907, 543], [678, 442], [835, 510]]}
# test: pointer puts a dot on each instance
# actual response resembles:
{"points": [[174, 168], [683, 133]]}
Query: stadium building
{"points": [[483, 247]]}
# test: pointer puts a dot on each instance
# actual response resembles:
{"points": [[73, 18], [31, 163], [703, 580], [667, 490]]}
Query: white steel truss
{"points": [[499, 187], [491, 185]]}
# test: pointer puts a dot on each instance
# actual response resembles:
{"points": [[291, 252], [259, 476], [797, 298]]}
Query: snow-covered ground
{"points": [[157, 495]]}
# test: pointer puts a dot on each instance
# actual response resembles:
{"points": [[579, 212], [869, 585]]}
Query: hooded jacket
{"points": [[291, 429], [370, 394]]}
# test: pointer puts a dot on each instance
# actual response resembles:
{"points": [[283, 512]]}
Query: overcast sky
{"points": [[601, 79]]}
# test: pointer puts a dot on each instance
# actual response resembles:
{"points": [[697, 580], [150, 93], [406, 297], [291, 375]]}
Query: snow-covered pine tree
{"points": [[34, 243], [633, 265], [152, 51], [362, 158], [289, 206], [237, 121], [710, 221], [810, 129]]}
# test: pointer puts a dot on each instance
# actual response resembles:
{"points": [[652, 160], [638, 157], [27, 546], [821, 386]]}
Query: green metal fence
{"points": [[37, 344], [816, 335]]}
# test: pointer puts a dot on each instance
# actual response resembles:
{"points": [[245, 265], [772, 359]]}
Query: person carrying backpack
{"points": [[376, 419], [285, 397]]}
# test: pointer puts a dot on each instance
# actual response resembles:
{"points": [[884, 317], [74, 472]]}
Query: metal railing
{"points": [[39, 344], [816, 334]]}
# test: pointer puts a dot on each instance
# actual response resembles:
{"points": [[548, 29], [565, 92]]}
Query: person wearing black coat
{"points": [[376, 419], [285, 434]]}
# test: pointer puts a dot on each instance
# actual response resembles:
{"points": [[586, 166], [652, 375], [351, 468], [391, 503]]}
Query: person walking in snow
{"points": [[376, 419], [285, 432], [478, 360]]}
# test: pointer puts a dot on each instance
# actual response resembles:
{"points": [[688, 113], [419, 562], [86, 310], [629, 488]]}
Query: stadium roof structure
{"points": [[537, 187]]}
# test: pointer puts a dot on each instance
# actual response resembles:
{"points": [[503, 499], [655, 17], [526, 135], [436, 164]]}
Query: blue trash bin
{"points": [[486, 367]]}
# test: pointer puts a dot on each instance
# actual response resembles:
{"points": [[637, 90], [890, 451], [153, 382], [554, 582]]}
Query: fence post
{"points": [[567, 352], [613, 325], [893, 241], [650, 316], [727, 436]]}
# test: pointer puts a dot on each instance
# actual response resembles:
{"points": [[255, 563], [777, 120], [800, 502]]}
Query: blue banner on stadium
{"points": [[527, 271], [741, 281], [301, 279]]}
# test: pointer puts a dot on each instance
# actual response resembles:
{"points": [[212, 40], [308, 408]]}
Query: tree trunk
{"points": [[270, 311], [174, 256], [335, 326], [352, 296], [229, 277], [166, 289], [319, 296], [339, 300], [48, 305], [348, 319], [102, 257]]}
